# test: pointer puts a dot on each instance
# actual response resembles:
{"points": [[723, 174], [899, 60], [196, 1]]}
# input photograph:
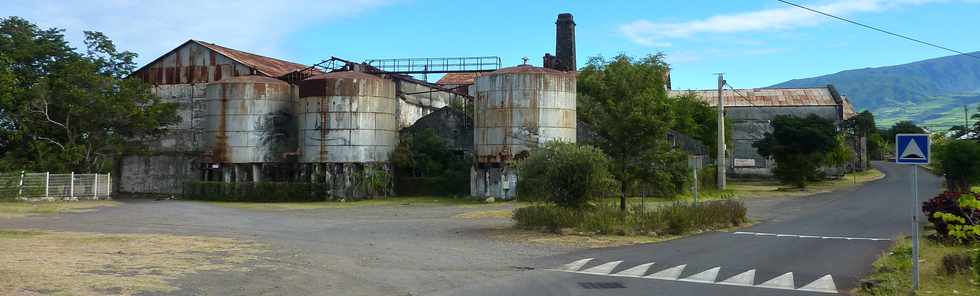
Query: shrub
{"points": [[674, 219], [565, 174], [976, 264], [956, 264], [547, 217], [960, 163], [954, 215]]}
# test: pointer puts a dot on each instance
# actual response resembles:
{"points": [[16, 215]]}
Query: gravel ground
{"points": [[378, 250]]}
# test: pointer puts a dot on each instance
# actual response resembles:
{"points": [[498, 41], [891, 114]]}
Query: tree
{"points": [[960, 163], [904, 127], [71, 111], [625, 101], [800, 146], [862, 126], [841, 154], [423, 157], [566, 174], [695, 118]]}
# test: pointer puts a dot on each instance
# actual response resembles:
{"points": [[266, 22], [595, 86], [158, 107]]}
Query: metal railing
{"points": [[48, 186]]}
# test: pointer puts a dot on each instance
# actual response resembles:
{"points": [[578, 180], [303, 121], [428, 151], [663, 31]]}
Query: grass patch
{"points": [[763, 189], [388, 201], [572, 240], [15, 209], [77, 263], [894, 271], [487, 214], [675, 219]]}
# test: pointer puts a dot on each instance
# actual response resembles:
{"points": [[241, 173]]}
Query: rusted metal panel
{"points": [[249, 119], [759, 97], [346, 117], [520, 108], [202, 62]]}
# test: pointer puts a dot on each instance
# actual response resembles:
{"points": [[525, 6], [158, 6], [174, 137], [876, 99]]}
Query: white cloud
{"points": [[651, 33], [150, 28]]}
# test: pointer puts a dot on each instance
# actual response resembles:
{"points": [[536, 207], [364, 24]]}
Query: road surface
{"points": [[817, 245]]}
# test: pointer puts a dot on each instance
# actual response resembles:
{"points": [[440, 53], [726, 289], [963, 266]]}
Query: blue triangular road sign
{"points": [[912, 148]]}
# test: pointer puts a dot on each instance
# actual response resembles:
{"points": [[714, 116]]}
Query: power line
{"points": [[881, 30]]}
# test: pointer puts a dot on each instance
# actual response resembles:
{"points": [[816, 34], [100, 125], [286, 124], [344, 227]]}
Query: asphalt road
{"points": [[824, 243]]}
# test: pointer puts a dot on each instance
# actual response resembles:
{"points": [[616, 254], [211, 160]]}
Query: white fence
{"points": [[70, 186]]}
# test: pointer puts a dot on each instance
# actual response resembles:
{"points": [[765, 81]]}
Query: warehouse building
{"points": [[750, 111]]}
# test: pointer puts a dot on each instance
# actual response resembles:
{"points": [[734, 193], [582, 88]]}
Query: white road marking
{"points": [[809, 236], [576, 265], [743, 279], [669, 274], [638, 270], [605, 268], [824, 284], [707, 276], [784, 281]]}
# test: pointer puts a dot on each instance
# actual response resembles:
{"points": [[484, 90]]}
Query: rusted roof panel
{"points": [[266, 65], [458, 78], [759, 97]]}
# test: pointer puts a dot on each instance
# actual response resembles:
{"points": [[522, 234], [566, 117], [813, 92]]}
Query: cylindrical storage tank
{"points": [[249, 119], [520, 108], [347, 117]]}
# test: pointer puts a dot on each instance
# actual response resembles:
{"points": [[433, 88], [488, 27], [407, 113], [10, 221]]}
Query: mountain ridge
{"points": [[924, 91]]}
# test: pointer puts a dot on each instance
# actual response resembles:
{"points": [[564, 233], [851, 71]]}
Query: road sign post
{"points": [[913, 149]]}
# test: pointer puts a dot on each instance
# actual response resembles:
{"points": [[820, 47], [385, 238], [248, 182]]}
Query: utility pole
{"points": [[966, 118], [721, 133]]}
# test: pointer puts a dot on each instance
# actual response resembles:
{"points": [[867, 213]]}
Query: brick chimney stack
{"points": [[565, 43]]}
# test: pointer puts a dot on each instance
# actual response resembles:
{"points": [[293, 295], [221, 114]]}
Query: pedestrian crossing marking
{"points": [[638, 270], [784, 281], [576, 265], [824, 284], [743, 279], [669, 274], [707, 276], [604, 268]]}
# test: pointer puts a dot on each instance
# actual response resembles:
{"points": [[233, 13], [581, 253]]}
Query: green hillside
{"points": [[930, 92]]}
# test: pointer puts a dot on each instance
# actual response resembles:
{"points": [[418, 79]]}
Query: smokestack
{"points": [[565, 42]]}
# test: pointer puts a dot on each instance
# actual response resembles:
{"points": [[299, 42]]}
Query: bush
{"points": [[960, 163], [565, 174], [954, 215], [256, 192], [674, 219]]}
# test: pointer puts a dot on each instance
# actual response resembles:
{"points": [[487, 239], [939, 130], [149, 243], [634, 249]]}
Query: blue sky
{"points": [[756, 43]]}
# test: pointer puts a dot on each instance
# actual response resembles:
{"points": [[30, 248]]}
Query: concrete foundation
{"points": [[496, 182]]}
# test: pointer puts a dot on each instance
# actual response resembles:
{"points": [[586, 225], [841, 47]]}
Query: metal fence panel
{"points": [[39, 186]]}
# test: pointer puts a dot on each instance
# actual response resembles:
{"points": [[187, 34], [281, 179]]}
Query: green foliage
{"points": [[565, 174], [956, 263], [903, 127], [959, 161], [695, 118], [425, 165], [963, 225], [674, 219], [256, 192], [841, 154], [625, 101], [70, 111], [800, 146]]}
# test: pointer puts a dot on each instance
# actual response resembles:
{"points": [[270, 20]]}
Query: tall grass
{"points": [[673, 219]]}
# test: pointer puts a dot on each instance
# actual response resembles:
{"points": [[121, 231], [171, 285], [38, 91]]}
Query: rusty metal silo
{"points": [[518, 109], [249, 120], [347, 128]]}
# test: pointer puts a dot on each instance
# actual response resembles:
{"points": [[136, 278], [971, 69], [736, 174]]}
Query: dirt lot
{"points": [[412, 249]]}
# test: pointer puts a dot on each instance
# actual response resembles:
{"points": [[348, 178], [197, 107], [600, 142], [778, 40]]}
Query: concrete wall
{"points": [[162, 174]]}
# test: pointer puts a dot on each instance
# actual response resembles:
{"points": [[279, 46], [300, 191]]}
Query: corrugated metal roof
{"points": [[458, 78], [759, 97], [266, 65], [262, 64]]}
